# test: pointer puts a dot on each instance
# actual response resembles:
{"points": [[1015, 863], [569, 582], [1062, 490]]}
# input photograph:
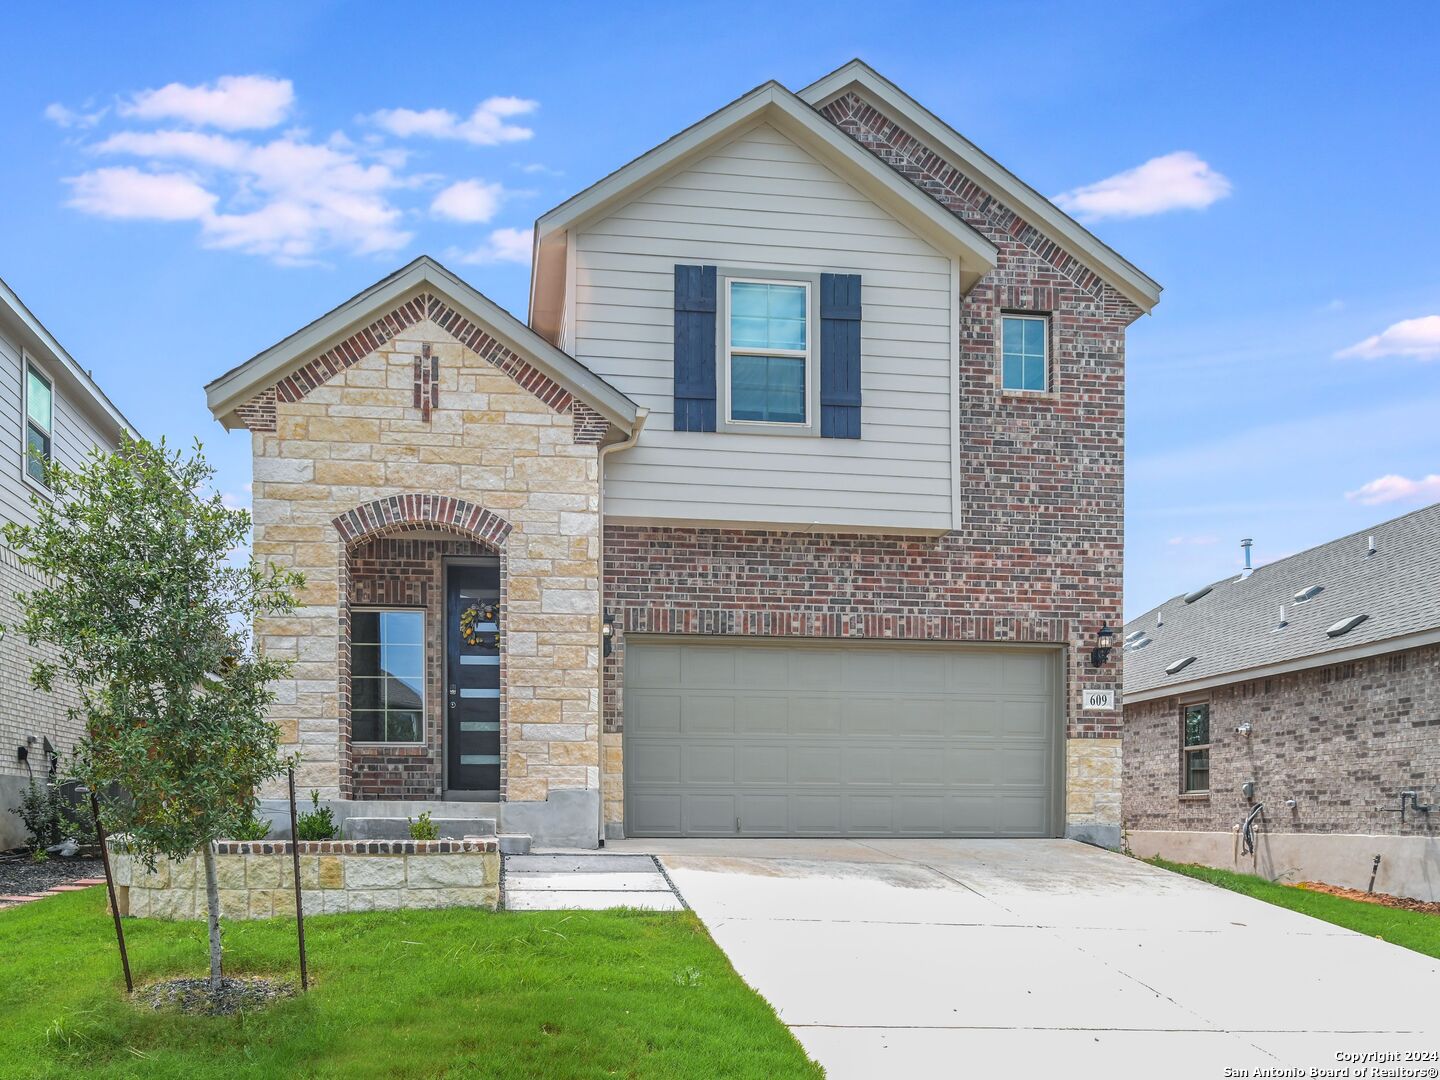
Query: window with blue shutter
{"points": [[840, 356], [694, 348]]}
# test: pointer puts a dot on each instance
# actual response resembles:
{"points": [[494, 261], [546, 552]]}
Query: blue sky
{"points": [[183, 189]]}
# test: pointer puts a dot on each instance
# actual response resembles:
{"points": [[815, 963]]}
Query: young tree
{"points": [[149, 612]]}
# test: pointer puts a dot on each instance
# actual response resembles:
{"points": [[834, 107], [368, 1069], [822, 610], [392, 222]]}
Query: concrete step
{"points": [[540, 900], [598, 863], [530, 882], [398, 828], [514, 844]]}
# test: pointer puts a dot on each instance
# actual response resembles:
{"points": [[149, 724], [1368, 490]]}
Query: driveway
{"points": [[921, 958]]}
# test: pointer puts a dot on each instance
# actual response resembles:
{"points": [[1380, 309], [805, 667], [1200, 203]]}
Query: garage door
{"points": [[747, 739]]}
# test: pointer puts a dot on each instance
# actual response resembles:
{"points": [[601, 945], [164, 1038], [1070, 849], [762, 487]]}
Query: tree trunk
{"points": [[212, 904]]}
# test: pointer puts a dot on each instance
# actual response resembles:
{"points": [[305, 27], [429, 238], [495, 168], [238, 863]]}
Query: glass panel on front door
{"points": [[472, 677]]}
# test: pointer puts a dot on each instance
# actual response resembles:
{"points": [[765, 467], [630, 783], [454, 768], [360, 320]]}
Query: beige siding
{"points": [[762, 203]]}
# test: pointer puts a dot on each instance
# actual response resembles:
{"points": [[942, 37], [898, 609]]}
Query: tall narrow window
{"points": [[1195, 748], [387, 676], [39, 417], [768, 351], [1024, 351]]}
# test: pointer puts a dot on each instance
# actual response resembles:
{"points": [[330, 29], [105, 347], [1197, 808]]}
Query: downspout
{"points": [[641, 415]]}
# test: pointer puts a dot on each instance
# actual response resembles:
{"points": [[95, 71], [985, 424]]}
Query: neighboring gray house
{"points": [[1316, 679], [51, 407]]}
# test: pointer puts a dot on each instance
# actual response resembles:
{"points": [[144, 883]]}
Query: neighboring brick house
{"points": [[797, 507], [52, 409], [1315, 679]]}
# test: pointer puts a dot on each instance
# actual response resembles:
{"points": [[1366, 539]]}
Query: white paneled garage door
{"points": [[727, 738]]}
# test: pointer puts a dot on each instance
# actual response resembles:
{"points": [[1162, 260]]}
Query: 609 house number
{"points": [[1098, 700]]}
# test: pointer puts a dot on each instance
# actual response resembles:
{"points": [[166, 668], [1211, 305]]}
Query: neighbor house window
{"points": [[767, 351], [1024, 348], [1195, 747], [39, 417], [387, 675]]}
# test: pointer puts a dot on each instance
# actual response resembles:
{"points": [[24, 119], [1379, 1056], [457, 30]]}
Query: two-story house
{"points": [[50, 409], [794, 509]]}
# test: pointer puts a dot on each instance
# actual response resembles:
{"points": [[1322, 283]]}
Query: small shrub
{"points": [[424, 828], [49, 817], [316, 824], [252, 826]]}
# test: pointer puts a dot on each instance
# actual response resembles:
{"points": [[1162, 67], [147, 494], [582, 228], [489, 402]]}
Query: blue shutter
{"points": [[694, 348], [840, 356]]}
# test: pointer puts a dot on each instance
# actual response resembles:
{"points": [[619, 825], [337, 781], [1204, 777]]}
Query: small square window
{"points": [[1195, 748], [387, 676], [1024, 352]]}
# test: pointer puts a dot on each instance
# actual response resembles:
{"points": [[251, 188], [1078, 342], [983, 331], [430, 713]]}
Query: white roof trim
{"points": [[775, 105], [1303, 663], [239, 384], [42, 342], [945, 140]]}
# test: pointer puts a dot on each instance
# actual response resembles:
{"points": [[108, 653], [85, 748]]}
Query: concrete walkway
{"points": [[921, 958], [587, 881]]}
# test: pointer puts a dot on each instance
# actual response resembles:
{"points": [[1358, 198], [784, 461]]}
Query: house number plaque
{"points": [[1099, 700]]}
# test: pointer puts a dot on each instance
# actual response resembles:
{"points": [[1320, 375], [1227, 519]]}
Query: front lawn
{"points": [[1410, 929], [458, 993]]}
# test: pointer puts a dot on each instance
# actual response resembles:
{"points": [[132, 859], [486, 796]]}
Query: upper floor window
{"points": [[1195, 747], [767, 351], [387, 675], [39, 418], [1024, 352]]}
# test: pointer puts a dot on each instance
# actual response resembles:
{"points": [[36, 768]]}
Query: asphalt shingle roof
{"points": [[1233, 627]]}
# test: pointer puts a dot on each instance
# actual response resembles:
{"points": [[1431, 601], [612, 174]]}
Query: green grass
{"points": [[458, 993], [1410, 929]]}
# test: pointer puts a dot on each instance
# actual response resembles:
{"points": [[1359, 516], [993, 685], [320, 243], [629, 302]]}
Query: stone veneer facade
{"points": [[257, 878], [361, 457]]}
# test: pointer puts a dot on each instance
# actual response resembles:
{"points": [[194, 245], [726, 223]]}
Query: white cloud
{"points": [[70, 118], [535, 168], [288, 199], [1175, 181], [1394, 488], [1418, 338], [503, 245], [130, 193], [1193, 541], [468, 200], [486, 125], [233, 102]]}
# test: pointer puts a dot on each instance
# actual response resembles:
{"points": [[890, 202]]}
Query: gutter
{"points": [[641, 415]]}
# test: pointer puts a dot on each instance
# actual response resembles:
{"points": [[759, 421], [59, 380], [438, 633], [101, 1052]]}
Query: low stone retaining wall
{"points": [[257, 878]]}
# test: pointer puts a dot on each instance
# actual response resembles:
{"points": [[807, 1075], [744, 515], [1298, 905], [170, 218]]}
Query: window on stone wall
{"points": [[1024, 352], [387, 676], [1195, 747]]}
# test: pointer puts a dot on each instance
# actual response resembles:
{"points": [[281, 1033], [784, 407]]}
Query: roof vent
{"points": [[1283, 622], [1308, 593], [1247, 544], [1138, 643], [1134, 635], [1344, 626], [1180, 665], [1191, 597], [1369, 546]]}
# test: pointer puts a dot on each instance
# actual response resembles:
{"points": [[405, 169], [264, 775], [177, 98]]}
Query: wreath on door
{"points": [[470, 621]]}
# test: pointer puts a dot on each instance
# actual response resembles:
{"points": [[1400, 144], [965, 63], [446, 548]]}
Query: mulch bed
{"points": [[1425, 907], [195, 995], [20, 876]]}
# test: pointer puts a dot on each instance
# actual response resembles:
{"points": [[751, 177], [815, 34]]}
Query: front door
{"points": [[472, 675]]}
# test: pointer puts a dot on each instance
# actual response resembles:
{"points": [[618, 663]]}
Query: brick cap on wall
{"points": [[415, 511]]}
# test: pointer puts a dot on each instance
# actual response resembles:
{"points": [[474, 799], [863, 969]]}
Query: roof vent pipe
{"points": [[1282, 623], [1247, 544], [1369, 546]]}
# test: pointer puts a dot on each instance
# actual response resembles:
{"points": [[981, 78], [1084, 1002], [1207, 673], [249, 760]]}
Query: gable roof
{"points": [[870, 85], [1231, 629], [770, 104], [240, 383], [81, 386]]}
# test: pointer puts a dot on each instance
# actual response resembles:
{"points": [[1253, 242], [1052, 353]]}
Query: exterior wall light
{"points": [[1103, 643], [607, 635]]}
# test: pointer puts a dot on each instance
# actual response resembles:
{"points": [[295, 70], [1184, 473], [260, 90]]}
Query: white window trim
{"points": [[811, 353], [1044, 320], [424, 677], [28, 365]]}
